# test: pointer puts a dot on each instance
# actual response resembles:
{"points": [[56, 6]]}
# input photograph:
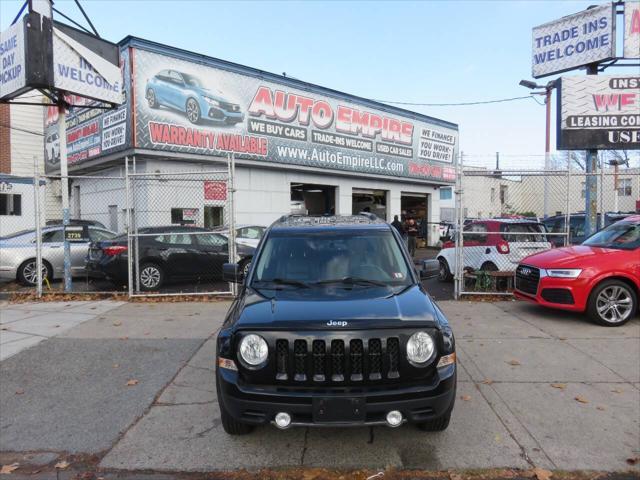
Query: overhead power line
{"points": [[460, 104], [21, 130]]}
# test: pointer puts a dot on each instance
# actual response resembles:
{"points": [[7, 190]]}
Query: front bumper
{"points": [[575, 288], [259, 405]]}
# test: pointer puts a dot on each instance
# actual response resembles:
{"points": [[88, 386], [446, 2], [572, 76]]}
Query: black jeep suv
{"points": [[332, 326]]}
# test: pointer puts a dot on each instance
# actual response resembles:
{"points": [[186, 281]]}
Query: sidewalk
{"points": [[135, 386]]}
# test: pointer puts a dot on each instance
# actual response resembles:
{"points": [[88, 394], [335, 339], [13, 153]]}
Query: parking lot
{"points": [[132, 385]]}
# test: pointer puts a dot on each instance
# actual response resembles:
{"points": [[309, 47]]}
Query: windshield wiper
{"points": [[352, 281], [285, 281]]}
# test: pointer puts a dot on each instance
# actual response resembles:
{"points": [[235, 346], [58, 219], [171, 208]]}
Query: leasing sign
{"points": [[599, 112], [200, 108], [632, 29], [574, 41]]}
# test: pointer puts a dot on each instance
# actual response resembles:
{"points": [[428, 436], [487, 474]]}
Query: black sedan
{"points": [[170, 253]]}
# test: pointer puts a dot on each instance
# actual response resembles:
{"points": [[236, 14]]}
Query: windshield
{"points": [[622, 235], [523, 232], [191, 80], [371, 258]]}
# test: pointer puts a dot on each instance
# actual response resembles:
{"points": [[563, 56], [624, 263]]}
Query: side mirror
{"points": [[430, 269], [231, 273]]}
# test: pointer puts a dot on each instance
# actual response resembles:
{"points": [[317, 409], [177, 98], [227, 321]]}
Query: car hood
{"points": [[579, 256], [211, 93], [312, 309]]}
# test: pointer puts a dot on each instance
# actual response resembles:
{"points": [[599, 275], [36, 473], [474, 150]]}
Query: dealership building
{"points": [[297, 147]]}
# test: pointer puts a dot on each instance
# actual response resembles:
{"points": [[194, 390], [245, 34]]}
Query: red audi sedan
{"points": [[600, 277]]}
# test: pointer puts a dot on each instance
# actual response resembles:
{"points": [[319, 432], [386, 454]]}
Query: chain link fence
{"points": [[503, 216], [132, 232]]}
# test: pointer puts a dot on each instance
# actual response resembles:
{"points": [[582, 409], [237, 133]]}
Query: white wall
{"points": [[26, 220]]}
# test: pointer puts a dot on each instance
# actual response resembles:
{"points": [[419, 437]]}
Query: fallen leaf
{"points": [[514, 363], [117, 323], [7, 469], [20, 391], [132, 382], [601, 408], [561, 386], [466, 398], [147, 333], [124, 338], [562, 338], [455, 476], [4, 328], [542, 474], [581, 399], [633, 461], [617, 390], [487, 381], [62, 465], [116, 365]]}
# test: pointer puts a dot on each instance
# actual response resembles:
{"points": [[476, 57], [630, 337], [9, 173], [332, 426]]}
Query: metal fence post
{"points": [[127, 209], [458, 277], [37, 218], [567, 221], [232, 223]]}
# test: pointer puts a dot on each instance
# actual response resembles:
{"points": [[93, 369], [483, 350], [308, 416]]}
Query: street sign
{"points": [[574, 41], [599, 112]]}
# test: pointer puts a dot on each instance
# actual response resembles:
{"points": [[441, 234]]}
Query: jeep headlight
{"points": [[212, 102], [253, 350], [420, 348]]}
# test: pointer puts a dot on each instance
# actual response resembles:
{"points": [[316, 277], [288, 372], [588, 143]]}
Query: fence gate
{"points": [[506, 215], [181, 232]]}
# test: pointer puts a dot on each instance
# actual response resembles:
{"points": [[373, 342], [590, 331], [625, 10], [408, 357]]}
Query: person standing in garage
{"points": [[397, 224], [412, 236]]}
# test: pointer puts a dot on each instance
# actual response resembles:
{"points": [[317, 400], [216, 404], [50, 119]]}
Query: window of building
{"points": [[184, 216], [446, 194], [10, 204], [493, 195], [624, 187], [504, 194]]}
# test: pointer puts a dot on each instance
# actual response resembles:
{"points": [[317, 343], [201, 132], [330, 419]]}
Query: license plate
{"points": [[337, 410]]}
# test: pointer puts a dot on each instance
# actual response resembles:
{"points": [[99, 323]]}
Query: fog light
{"points": [[283, 420], [394, 418]]}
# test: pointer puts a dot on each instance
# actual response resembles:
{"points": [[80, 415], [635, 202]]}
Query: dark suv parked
{"points": [[332, 326]]}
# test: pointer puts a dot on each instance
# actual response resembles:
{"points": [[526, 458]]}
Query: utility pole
{"points": [[591, 184], [64, 186]]}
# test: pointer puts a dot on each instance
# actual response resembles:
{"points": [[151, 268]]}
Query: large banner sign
{"points": [[574, 41], [188, 107], [631, 29], [12, 60], [599, 112]]}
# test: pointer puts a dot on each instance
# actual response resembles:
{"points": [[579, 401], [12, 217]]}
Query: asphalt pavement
{"points": [[134, 387]]}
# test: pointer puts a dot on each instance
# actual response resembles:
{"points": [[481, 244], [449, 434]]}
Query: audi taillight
{"points": [[114, 250], [503, 247]]}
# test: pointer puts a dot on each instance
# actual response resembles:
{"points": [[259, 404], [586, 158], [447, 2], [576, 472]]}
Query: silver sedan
{"points": [[18, 253]]}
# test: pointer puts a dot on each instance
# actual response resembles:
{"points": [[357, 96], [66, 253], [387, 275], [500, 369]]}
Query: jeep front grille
{"points": [[337, 361]]}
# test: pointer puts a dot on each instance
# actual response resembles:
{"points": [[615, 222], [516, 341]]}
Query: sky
{"points": [[424, 52]]}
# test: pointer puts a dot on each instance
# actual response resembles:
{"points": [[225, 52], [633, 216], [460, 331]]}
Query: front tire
{"points": [[28, 273], [151, 277], [612, 303], [436, 425], [152, 101], [192, 110], [230, 425], [444, 273]]}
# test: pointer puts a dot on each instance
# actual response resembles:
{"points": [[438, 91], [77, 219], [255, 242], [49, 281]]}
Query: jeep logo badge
{"points": [[334, 323]]}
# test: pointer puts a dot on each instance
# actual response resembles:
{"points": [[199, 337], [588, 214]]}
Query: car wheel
{"points": [[444, 273], [192, 109], [245, 265], [151, 99], [230, 425], [612, 303], [436, 425], [151, 277], [28, 272], [489, 267]]}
